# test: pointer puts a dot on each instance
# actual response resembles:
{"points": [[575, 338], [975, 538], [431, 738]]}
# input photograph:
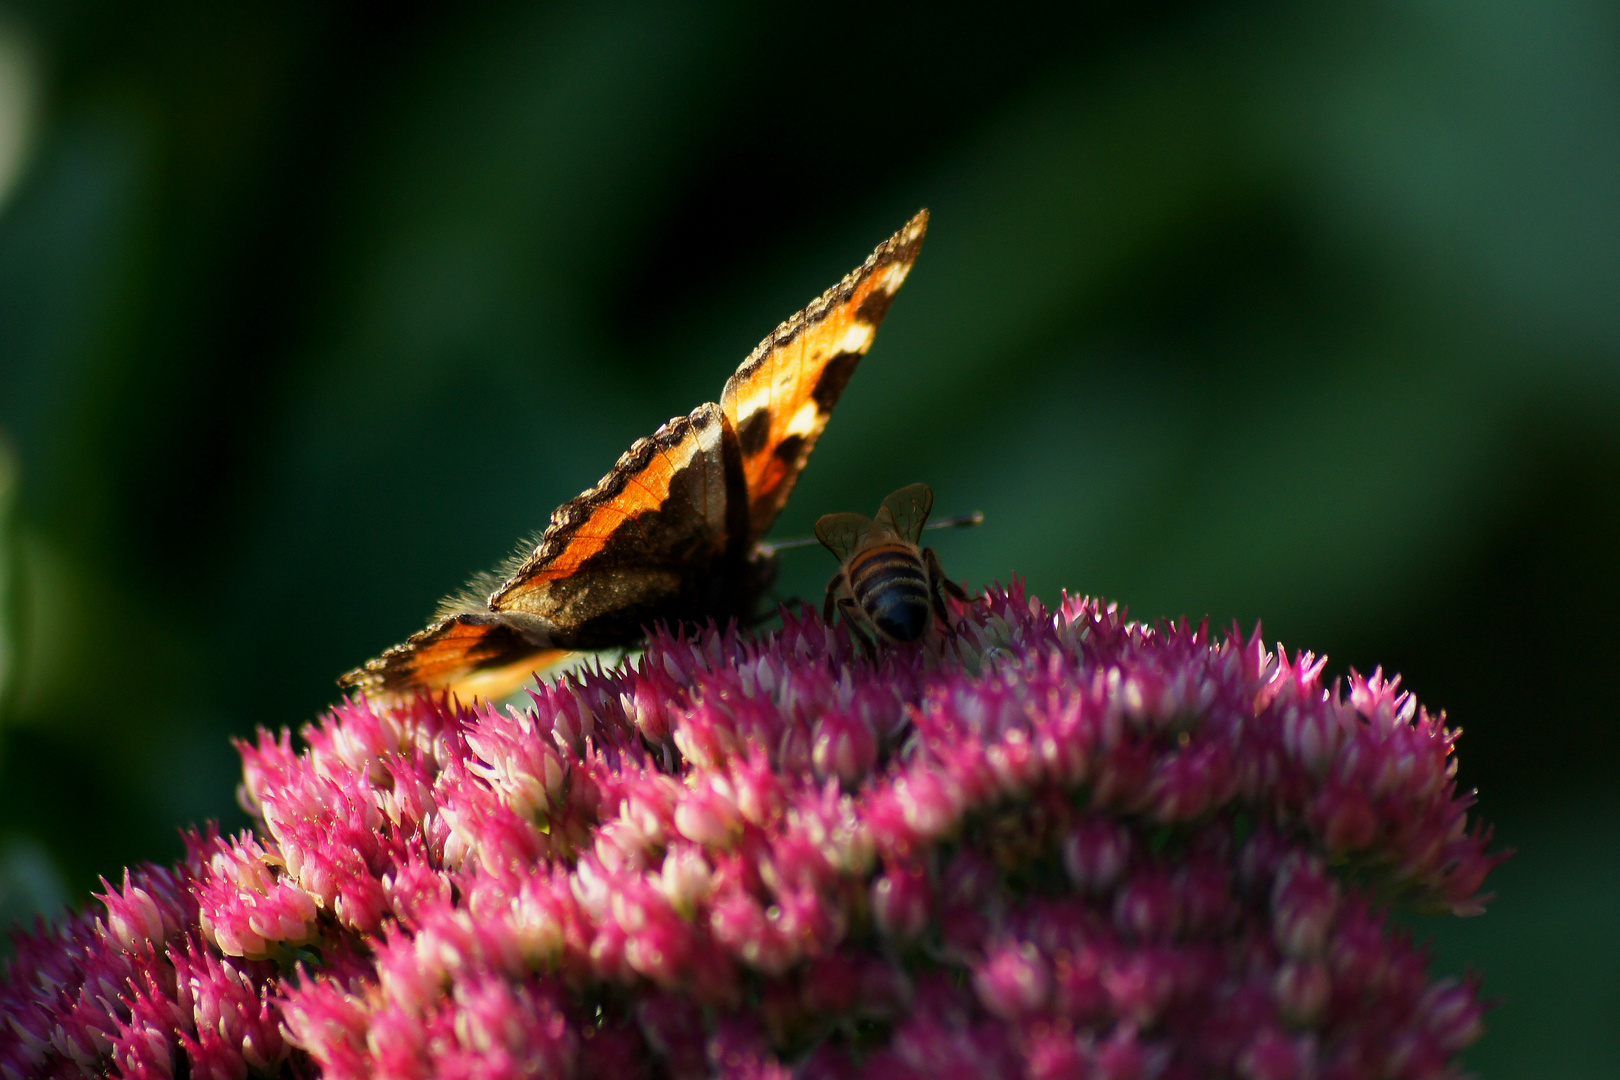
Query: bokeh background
{"points": [[1302, 312]]}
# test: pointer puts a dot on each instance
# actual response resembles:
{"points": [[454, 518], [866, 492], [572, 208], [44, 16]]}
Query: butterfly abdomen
{"points": [[890, 584]]}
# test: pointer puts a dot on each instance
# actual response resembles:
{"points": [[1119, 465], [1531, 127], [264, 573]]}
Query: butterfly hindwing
{"points": [[614, 558], [471, 653], [780, 398]]}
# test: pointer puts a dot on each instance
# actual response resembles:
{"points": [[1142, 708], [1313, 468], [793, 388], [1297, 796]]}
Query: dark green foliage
{"points": [[308, 311]]}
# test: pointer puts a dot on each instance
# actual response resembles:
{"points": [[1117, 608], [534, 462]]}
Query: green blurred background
{"points": [[1308, 312]]}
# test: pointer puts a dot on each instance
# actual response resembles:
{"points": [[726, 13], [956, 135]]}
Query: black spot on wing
{"points": [[755, 429], [874, 307], [790, 448], [834, 377]]}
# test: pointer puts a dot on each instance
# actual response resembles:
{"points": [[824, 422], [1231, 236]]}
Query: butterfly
{"points": [[673, 532]]}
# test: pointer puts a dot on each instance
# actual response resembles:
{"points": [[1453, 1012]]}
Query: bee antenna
{"points": [[966, 521], [802, 541]]}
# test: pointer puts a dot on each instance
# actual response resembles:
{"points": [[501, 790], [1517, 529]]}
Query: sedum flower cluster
{"points": [[1044, 845]]}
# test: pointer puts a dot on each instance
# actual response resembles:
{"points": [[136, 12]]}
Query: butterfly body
{"points": [[887, 584], [672, 533]]}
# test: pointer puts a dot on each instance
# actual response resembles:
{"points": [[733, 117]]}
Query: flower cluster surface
{"points": [[1041, 845]]}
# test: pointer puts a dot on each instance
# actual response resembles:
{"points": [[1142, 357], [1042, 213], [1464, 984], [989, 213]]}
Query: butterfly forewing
{"points": [[781, 396]]}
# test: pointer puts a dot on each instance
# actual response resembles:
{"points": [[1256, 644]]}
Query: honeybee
{"points": [[887, 585]]}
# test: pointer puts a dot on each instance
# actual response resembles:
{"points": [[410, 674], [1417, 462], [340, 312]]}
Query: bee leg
{"points": [[831, 602], [936, 594], [939, 584], [852, 619]]}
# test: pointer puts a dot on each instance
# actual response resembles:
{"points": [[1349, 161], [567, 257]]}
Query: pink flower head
{"points": [[1039, 845]]}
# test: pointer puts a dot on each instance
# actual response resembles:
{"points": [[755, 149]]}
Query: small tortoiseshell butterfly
{"points": [[672, 533]]}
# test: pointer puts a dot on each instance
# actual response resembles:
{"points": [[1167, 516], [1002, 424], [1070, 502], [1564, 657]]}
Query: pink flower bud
{"points": [[929, 803], [650, 704], [902, 902], [1274, 1056], [133, 916], [1015, 763], [1303, 904], [1078, 992], [609, 954], [744, 926], [1095, 854], [1055, 1054], [844, 746], [1013, 980], [685, 878], [1120, 1057], [1302, 989], [415, 887], [1311, 736], [1147, 907], [709, 815], [330, 1023], [1346, 818], [506, 1030], [760, 796], [1453, 1014], [1138, 985], [547, 924]]}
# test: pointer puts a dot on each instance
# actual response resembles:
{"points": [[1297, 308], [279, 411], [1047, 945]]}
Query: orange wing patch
{"points": [[469, 655], [670, 534], [680, 468], [780, 398]]}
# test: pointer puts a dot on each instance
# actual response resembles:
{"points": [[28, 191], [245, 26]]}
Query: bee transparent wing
{"points": [[842, 533], [907, 511]]}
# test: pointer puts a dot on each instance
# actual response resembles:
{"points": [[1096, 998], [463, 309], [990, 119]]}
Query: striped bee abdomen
{"points": [[890, 584]]}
